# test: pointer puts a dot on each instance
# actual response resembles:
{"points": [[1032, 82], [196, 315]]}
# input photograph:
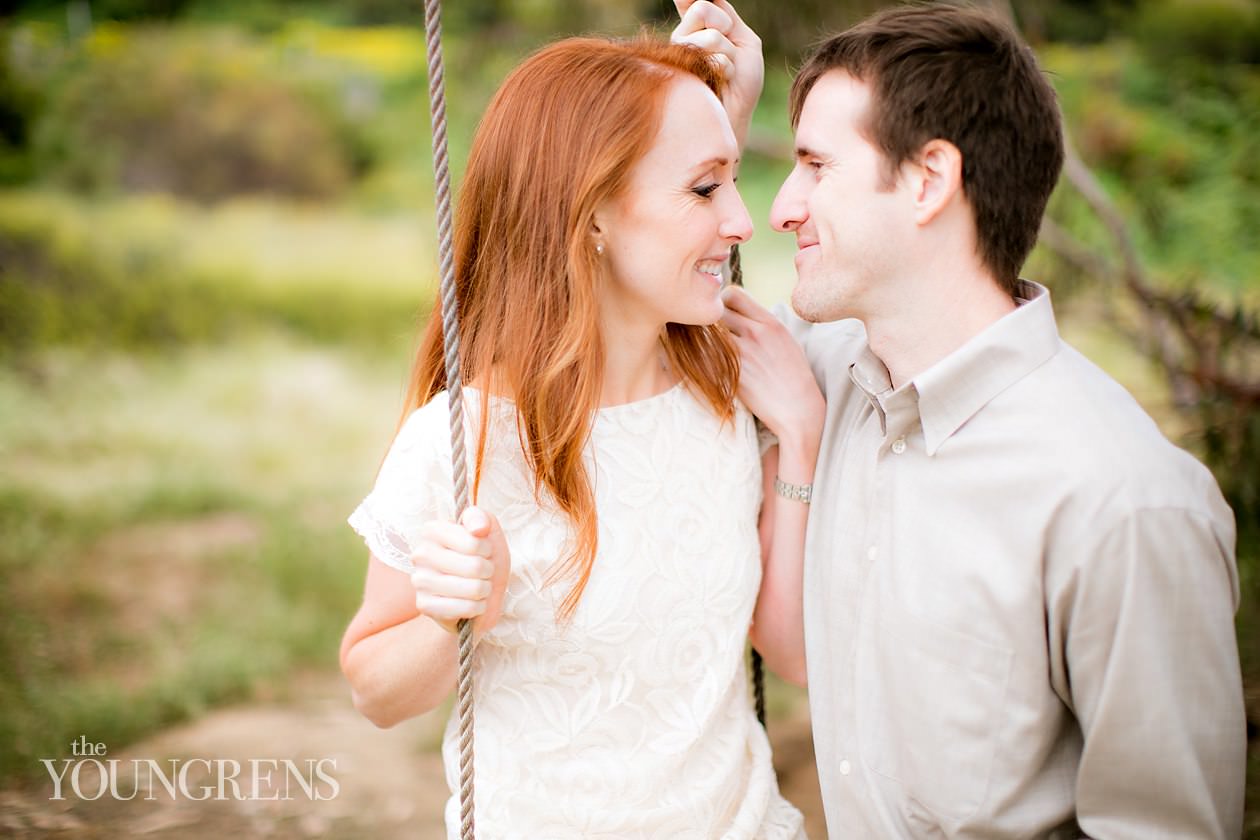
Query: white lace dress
{"points": [[634, 720]]}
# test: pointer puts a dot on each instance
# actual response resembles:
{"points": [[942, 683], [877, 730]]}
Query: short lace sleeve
{"points": [[414, 486]]}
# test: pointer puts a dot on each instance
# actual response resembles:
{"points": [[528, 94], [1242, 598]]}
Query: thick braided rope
{"points": [[454, 385], [758, 670]]}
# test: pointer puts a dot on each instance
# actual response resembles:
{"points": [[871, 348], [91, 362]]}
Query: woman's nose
{"points": [[738, 224]]}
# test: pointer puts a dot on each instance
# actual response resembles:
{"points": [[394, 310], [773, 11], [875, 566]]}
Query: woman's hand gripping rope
{"points": [[461, 571]]}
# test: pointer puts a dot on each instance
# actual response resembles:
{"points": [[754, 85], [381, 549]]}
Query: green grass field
{"points": [[173, 530]]}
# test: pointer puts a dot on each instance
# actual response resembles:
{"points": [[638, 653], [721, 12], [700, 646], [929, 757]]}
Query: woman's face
{"points": [[666, 236]]}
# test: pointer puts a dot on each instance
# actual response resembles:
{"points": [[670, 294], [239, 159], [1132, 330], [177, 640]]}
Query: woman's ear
{"points": [[938, 179], [596, 234]]}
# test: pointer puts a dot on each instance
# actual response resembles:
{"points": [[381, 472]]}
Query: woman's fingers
{"points": [[450, 586], [431, 556], [460, 570], [736, 323], [742, 315], [448, 611], [737, 300], [708, 36], [699, 15]]}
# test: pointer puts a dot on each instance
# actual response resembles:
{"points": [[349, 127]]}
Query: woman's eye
{"points": [[706, 191]]}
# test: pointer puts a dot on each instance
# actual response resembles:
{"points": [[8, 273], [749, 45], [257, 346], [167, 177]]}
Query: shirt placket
{"points": [[860, 521], [879, 450]]}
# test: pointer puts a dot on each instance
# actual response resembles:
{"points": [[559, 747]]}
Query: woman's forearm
{"points": [[401, 672], [778, 622], [399, 664]]}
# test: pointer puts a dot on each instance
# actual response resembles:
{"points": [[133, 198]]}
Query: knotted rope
{"points": [[454, 385]]}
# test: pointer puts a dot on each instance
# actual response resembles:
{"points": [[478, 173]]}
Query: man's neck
{"points": [[945, 312]]}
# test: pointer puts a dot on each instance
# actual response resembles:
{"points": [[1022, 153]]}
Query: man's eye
{"points": [[706, 191]]}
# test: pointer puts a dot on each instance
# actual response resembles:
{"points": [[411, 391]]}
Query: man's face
{"points": [[849, 222]]}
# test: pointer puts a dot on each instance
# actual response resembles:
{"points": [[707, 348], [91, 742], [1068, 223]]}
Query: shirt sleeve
{"points": [[1152, 673], [414, 486]]}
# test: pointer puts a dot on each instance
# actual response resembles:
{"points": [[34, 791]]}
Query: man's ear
{"points": [[937, 180]]}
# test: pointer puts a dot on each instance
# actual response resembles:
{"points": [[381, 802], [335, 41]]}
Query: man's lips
{"points": [[804, 250]]}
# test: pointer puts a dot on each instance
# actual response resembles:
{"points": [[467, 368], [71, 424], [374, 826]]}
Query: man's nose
{"points": [[788, 210]]}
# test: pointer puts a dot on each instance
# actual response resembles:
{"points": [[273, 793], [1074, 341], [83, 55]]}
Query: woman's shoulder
{"points": [[424, 428], [429, 426]]}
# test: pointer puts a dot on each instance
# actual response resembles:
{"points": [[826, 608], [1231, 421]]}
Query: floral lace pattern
{"points": [[633, 719]]}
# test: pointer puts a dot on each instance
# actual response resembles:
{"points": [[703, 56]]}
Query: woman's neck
{"points": [[635, 367]]}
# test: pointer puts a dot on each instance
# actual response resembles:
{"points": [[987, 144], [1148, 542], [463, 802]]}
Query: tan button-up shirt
{"points": [[1019, 601]]}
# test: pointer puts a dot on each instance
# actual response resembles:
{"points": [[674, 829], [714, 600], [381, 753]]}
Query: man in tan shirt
{"points": [[1016, 608]]}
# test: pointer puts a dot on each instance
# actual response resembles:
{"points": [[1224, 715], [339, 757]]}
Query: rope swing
{"points": [[757, 671], [455, 396], [454, 386]]}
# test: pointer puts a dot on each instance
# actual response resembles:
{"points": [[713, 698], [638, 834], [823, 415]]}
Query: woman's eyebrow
{"points": [[711, 162]]}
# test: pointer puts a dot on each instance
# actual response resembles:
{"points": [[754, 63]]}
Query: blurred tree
{"points": [[199, 117], [1199, 35], [1071, 21], [790, 35], [17, 108], [122, 10], [1209, 352]]}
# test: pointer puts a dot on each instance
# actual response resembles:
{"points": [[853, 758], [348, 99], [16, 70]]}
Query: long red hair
{"points": [[558, 139]]}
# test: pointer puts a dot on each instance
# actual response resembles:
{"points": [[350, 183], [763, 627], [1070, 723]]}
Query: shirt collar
{"points": [[871, 377], [958, 386]]}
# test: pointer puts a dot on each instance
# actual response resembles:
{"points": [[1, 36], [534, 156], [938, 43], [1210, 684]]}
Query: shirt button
{"points": [[872, 553], [899, 446], [845, 767]]}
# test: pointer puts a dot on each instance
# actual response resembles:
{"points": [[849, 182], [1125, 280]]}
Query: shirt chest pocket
{"points": [[930, 710]]}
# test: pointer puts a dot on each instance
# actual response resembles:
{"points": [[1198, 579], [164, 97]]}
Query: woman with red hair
{"points": [[596, 213]]}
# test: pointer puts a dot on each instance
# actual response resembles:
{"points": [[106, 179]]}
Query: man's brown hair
{"points": [[958, 74]]}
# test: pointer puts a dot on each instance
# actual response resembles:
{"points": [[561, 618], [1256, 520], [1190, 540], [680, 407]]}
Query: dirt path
{"points": [[390, 783]]}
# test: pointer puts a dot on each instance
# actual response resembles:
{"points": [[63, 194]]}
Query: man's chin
{"points": [[808, 308]]}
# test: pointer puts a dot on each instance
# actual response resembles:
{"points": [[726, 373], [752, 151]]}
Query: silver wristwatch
{"points": [[797, 492]]}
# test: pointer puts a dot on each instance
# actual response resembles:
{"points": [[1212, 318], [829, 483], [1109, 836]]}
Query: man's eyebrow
{"points": [[803, 152]]}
